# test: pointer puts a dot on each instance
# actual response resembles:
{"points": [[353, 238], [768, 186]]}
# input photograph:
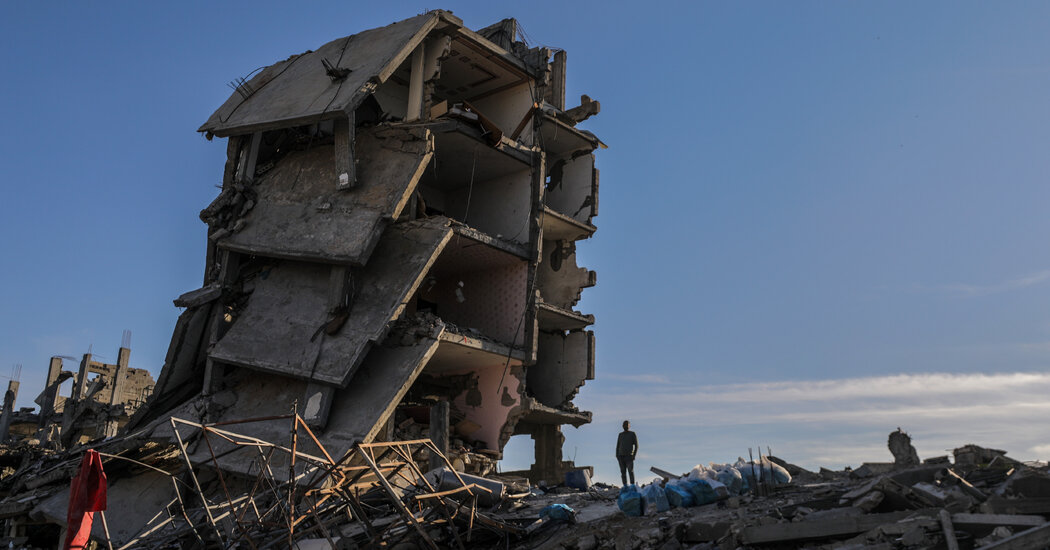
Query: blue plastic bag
{"points": [[655, 498], [630, 501], [702, 491], [558, 512], [678, 497]]}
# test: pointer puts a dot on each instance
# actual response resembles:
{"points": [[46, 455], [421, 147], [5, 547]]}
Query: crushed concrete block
{"points": [[903, 451]]}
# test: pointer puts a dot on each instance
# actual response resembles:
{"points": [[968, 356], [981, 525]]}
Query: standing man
{"points": [[626, 448]]}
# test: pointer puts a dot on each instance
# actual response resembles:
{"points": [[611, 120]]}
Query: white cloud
{"points": [[831, 423], [638, 378], [965, 289]]}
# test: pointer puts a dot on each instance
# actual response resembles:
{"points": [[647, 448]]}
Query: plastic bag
{"points": [[702, 490], [731, 478], [780, 474], [762, 469], [630, 501], [655, 499], [678, 496], [701, 472], [558, 512]]}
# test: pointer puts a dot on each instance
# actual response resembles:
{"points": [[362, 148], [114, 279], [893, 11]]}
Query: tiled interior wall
{"points": [[494, 301]]}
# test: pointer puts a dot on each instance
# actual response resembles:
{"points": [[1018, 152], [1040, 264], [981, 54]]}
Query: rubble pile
{"points": [[389, 495], [981, 499]]}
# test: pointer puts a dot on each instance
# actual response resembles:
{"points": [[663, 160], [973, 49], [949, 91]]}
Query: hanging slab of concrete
{"points": [[539, 414], [361, 410], [554, 318], [563, 227], [298, 91], [300, 214], [561, 139], [180, 378], [358, 412], [281, 329]]}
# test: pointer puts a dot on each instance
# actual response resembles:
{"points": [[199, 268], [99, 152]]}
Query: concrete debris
{"points": [[903, 452], [180, 492]]}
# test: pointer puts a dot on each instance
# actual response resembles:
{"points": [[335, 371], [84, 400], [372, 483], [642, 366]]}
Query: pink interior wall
{"points": [[492, 414]]}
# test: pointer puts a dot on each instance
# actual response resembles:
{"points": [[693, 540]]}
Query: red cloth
{"points": [[86, 496]]}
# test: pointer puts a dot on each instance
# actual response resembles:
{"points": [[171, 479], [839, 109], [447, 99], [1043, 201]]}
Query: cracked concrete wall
{"points": [[559, 279], [498, 206], [563, 363]]}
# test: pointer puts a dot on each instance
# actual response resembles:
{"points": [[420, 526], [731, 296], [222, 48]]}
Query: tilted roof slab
{"points": [[299, 91]]}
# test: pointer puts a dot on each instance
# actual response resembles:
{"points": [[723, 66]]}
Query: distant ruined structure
{"points": [[101, 400]]}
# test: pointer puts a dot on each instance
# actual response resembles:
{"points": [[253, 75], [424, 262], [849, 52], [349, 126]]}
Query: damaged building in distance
{"points": [[393, 251], [101, 398]]}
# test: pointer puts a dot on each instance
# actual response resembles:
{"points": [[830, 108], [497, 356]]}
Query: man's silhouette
{"points": [[626, 448]]}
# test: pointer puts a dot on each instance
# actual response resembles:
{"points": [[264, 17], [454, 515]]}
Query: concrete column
{"points": [[9, 409], [120, 377], [414, 110], [81, 383], [558, 80], [439, 413], [548, 442], [50, 395], [116, 395]]}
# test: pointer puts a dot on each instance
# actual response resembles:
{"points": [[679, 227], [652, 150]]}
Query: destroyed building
{"points": [[101, 398], [393, 252]]}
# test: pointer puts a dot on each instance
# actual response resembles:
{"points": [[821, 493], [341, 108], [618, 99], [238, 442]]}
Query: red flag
{"points": [[86, 496]]}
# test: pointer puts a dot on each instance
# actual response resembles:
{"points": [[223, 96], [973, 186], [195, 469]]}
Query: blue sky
{"points": [[819, 221]]}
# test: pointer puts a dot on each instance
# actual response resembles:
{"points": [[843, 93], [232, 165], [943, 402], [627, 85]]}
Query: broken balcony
{"points": [[560, 139]]}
